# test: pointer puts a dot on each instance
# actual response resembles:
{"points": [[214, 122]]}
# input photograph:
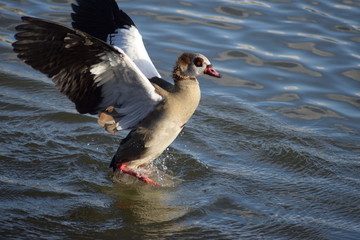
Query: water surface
{"points": [[273, 151]]}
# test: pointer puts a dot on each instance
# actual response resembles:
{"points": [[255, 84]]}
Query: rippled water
{"points": [[273, 151]]}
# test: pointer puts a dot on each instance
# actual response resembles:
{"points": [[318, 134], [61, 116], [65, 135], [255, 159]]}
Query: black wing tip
{"points": [[30, 19], [23, 27], [27, 18], [25, 21], [106, 11]]}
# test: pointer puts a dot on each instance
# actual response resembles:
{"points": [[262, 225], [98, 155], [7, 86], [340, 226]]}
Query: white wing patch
{"points": [[125, 87], [130, 41]]}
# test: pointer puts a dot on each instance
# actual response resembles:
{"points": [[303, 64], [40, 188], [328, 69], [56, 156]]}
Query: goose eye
{"points": [[198, 62]]}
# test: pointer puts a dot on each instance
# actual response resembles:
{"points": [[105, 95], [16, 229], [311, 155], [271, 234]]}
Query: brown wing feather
{"points": [[65, 55]]}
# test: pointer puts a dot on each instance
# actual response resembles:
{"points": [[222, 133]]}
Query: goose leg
{"points": [[123, 168]]}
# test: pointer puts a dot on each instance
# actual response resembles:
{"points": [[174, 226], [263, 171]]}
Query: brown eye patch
{"points": [[198, 62]]}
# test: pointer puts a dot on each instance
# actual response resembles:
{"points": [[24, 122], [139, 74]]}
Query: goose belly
{"points": [[161, 138]]}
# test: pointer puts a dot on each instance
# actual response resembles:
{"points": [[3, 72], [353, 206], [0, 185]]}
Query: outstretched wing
{"points": [[103, 19], [93, 74]]}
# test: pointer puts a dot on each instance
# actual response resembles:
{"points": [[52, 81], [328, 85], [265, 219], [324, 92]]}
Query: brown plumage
{"points": [[102, 79]]}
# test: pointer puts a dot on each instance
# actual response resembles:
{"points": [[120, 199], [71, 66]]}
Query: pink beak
{"points": [[209, 70]]}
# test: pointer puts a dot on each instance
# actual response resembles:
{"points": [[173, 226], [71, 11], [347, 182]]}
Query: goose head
{"points": [[190, 65]]}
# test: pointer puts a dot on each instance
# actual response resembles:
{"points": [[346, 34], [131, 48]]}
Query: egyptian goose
{"points": [[101, 65]]}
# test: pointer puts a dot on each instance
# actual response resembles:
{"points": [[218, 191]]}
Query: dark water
{"points": [[273, 151]]}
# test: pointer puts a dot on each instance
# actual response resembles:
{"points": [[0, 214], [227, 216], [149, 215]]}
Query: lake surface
{"points": [[273, 151]]}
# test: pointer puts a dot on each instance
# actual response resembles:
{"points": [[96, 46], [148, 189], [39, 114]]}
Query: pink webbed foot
{"points": [[123, 168]]}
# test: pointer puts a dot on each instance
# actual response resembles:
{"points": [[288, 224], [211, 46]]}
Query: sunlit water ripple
{"points": [[273, 151]]}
